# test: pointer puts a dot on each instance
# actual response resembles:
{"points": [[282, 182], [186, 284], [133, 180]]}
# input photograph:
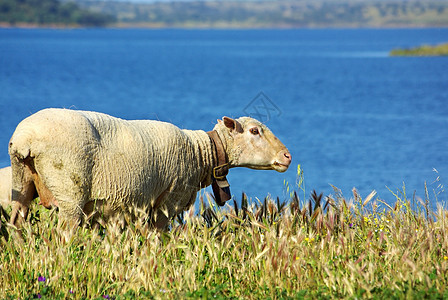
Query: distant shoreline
{"points": [[200, 27], [40, 26]]}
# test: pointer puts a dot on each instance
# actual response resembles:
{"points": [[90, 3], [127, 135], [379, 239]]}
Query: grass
{"points": [[425, 50], [322, 248]]}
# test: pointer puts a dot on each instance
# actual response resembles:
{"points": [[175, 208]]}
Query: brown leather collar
{"points": [[220, 185]]}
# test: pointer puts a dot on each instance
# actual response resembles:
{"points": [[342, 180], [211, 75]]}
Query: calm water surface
{"points": [[351, 115]]}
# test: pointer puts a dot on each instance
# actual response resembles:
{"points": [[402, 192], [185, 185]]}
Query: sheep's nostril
{"points": [[288, 156]]}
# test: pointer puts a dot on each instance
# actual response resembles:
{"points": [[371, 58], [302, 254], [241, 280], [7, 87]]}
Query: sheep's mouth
{"points": [[280, 167]]}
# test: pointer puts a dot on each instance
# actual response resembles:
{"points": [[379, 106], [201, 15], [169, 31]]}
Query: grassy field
{"points": [[425, 50], [331, 247]]}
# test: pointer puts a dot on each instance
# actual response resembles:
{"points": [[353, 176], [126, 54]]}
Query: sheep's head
{"points": [[251, 144]]}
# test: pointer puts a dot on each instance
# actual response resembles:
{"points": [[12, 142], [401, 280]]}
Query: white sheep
{"points": [[79, 160], [5, 187]]}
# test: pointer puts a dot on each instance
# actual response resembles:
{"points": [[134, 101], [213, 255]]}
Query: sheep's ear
{"points": [[229, 123], [232, 124]]}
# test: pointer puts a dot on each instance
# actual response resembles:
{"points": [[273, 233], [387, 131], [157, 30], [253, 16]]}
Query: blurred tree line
{"points": [[50, 12], [276, 13], [236, 13]]}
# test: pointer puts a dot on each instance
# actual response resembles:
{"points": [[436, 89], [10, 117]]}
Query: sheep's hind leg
{"points": [[69, 214], [23, 189]]}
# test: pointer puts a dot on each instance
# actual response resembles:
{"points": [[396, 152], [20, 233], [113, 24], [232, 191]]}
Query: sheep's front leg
{"points": [[161, 221]]}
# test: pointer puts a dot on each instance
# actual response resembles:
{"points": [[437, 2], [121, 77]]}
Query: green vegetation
{"points": [[425, 50], [49, 13], [323, 248], [279, 14]]}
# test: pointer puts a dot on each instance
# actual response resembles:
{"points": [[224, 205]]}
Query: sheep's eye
{"points": [[254, 131]]}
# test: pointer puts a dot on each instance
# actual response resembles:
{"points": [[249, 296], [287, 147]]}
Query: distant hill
{"points": [[280, 13], [49, 13], [226, 14]]}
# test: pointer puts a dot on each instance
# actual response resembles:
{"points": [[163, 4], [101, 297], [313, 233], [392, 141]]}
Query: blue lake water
{"points": [[351, 115]]}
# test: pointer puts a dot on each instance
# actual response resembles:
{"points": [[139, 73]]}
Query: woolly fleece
{"points": [[5, 187], [86, 156]]}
